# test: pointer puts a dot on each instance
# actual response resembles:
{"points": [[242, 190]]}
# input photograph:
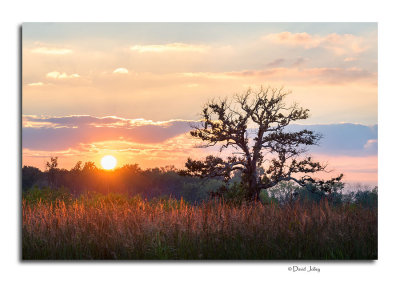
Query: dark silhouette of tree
{"points": [[77, 167], [51, 170], [89, 166], [30, 176], [75, 178], [253, 124]]}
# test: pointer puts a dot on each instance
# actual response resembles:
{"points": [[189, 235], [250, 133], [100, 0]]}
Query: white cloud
{"points": [[35, 84], [172, 47], [51, 51], [371, 143], [59, 75], [121, 71]]}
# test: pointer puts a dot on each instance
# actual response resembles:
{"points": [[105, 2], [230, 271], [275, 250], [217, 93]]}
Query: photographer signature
{"points": [[304, 268]]}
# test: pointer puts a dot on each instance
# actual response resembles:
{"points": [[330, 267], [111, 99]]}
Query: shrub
{"points": [[366, 198]]}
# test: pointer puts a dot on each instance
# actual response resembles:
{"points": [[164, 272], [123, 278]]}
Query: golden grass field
{"points": [[119, 227]]}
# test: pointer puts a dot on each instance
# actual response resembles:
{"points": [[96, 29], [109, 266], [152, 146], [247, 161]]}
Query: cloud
{"points": [[339, 44], [350, 59], [300, 61], [35, 84], [59, 75], [121, 71], [346, 139], [356, 169], [296, 39], [311, 75], [51, 51], [74, 121], [339, 75], [276, 63], [61, 133], [172, 47], [371, 145]]}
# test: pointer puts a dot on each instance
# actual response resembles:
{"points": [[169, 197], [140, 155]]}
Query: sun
{"points": [[108, 162]]}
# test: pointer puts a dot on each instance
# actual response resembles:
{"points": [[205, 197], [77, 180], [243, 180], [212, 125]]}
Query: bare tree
{"points": [[254, 124]]}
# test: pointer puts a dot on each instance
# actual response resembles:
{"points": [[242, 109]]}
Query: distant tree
{"points": [[30, 176], [230, 124], [77, 167], [74, 178], [89, 167], [51, 170], [131, 168]]}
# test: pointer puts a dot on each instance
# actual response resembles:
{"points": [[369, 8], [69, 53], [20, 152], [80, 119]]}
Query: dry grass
{"points": [[116, 227]]}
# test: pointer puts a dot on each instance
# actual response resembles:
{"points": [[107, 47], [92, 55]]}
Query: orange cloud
{"points": [[298, 39], [350, 59], [172, 47], [51, 51]]}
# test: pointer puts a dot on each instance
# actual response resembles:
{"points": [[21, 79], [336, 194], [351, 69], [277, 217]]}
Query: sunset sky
{"points": [[132, 90]]}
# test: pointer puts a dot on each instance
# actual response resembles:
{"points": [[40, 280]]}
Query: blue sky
{"points": [[187, 32]]}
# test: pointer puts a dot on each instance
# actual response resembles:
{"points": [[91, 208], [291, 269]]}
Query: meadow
{"points": [[95, 226]]}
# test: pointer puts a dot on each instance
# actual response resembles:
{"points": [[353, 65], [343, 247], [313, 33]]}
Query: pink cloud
{"points": [[363, 169], [310, 75], [61, 133], [276, 62], [338, 43]]}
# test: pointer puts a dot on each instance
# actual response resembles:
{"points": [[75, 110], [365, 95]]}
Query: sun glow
{"points": [[108, 162]]}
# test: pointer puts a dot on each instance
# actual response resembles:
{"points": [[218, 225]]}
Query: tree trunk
{"points": [[252, 183]]}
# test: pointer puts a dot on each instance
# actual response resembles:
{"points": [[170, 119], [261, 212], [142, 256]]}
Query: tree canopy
{"points": [[254, 125]]}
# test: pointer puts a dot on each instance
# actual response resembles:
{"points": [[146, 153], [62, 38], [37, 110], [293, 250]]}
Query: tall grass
{"points": [[118, 227]]}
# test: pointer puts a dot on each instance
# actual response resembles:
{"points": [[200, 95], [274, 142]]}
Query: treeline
{"points": [[167, 182], [129, 179]]}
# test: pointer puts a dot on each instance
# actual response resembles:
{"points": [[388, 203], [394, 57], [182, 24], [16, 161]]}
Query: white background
{"points": [[13, 13]]}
